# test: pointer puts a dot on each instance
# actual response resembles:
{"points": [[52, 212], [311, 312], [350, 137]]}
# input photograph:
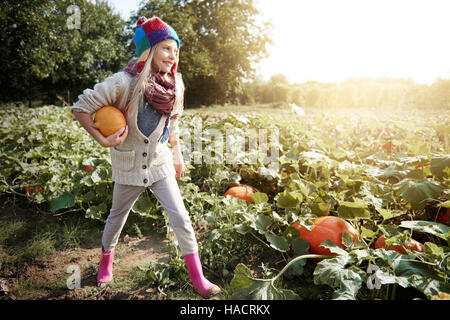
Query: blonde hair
{"points": [[137, 102]]}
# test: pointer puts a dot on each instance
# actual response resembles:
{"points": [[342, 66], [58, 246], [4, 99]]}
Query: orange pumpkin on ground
{"points": [[413, 245], [327, 227], [108, 120], [242, 192]]}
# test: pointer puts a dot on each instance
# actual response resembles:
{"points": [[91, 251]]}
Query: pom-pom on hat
{"points": [[148, 33]]}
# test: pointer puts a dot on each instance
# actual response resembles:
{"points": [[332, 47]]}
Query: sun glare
{"points": [[331, 41]]}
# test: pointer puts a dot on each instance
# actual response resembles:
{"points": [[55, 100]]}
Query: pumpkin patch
{"points": [[354, 184]]}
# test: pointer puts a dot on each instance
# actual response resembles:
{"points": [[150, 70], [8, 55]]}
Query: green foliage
{"points": [[379, 191], [355, 93], [221, 41], [45, 58]]}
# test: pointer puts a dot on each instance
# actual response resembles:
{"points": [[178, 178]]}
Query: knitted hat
{"points": [[148, 33]]}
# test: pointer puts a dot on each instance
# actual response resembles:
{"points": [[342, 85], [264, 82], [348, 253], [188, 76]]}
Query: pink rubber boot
{"points": [[205, 288], [105, 268]]}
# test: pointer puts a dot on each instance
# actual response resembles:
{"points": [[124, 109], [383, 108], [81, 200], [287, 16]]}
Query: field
{"points": [[386, 172]]}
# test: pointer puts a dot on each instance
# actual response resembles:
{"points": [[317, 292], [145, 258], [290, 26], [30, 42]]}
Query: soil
{"points": [[49, 275]]}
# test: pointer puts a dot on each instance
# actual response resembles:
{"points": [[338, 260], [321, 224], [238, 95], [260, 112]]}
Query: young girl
{"points": [[150, 93]]}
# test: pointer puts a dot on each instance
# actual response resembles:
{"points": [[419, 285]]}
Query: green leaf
{"points": [[277, 242], [320, 209], [353, 210], [143, 206], [445, 204], [96, 212], [439, 164], [262, 223], [417, 194], [421, 276], [347, 239], [300, 247], [66, 200], [434, 250], [345, 282], [259, 197], [434, 228], [288, 199], [367, 233], [389, 214], [327, 243], [242, 228], [245, 287]]}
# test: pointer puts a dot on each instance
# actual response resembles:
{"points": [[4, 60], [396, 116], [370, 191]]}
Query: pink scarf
{"points": [[160, 94]]}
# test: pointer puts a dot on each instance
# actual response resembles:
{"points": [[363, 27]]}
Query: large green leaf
{"points": [[144, 205], [353, 210], [345, 282], [288, 199], [66, 200], [421, 276], [434, 228], [417, 194], [277, 242], [300, 247], [439, 164]]}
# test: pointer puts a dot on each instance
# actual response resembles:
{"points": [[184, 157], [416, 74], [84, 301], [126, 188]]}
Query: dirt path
{"points": [[131, 252], [47, 277]]}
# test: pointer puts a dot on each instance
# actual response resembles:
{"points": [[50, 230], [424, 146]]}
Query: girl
{"points": [[150, 93]]}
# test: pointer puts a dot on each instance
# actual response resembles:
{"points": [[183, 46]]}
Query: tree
{"points": [[42, 55], [221, 42]]}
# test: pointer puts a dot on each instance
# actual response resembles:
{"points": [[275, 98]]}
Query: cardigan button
{"points": [[144, 166], [146, 141], [144, 154], [145, 180]]}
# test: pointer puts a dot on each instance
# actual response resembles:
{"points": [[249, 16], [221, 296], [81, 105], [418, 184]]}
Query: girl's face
{"points": [[165, 56]]}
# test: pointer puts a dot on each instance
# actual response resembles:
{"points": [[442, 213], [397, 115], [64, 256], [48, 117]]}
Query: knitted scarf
{"points": [[160, 95]]}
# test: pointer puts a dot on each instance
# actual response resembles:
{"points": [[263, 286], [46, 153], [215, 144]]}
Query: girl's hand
{"points": [[116, 138], [180, 169]]}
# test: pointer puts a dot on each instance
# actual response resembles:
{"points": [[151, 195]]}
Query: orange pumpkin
{"points": [[108, 120], [242, 192], [327, 227], [413, 245]]}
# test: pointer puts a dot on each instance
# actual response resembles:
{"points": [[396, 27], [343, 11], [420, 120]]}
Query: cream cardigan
{"points": [[139, 160]]}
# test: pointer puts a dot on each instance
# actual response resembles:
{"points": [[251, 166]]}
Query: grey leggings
{"points": [[168, 194]]}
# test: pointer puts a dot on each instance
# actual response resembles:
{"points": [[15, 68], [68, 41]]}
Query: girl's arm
{"points": [[87, 123], [178, 163], [108, 92]]}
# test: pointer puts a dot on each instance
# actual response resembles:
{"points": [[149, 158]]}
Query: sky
{"points": [[336, 40]]}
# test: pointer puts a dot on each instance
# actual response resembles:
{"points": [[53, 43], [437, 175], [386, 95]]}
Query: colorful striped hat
{"points": [[148, 33]]}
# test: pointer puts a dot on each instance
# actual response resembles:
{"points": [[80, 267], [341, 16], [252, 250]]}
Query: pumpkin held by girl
{"points": [[109, 119]]}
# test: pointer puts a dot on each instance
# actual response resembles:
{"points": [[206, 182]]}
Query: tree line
{"points": [[352, 93], [54, 49], [58, 48]]}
